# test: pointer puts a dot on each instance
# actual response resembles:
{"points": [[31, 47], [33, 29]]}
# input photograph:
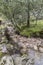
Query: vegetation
{"points": [[32, 29], [25, 15]]}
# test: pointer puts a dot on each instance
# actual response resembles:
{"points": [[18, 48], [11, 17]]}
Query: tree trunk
{"points": [[36, 21], [28, 20], [28, 14]]}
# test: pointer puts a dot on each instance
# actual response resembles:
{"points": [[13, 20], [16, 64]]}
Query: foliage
{"points": [[22, 12], [33, 29]]}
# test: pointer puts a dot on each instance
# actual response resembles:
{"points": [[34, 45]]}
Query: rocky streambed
{"points": [[33, 46], [30, 43]]}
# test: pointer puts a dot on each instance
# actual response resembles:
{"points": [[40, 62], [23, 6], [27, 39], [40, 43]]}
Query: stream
{"points": [[37, 56], [33, 58]]}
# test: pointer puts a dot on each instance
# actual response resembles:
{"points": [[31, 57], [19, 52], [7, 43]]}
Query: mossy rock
{"points": [[1, 54]]}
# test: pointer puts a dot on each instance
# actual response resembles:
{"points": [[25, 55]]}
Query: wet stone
{"points": [[6, 60]]}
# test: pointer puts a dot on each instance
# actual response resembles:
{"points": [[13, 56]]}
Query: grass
{"points": [[32, 29]]}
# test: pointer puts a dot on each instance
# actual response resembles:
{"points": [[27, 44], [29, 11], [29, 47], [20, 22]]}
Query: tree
{"points": [[13, 10], [37, 9], [28, 16]]}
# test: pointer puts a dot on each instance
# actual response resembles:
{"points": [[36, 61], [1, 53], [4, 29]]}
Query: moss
{"points": [[24, 55], [1, 54], [2, 27]]}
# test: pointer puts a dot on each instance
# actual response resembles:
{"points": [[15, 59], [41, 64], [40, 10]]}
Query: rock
{"points": [[10, 49], [18, 61], [6, 60], [3, 48], [22, 47], [35, 48], [30, 61], [41, 49]]}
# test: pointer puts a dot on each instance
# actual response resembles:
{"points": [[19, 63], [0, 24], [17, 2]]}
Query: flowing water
{"points": [[37, 56]]}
